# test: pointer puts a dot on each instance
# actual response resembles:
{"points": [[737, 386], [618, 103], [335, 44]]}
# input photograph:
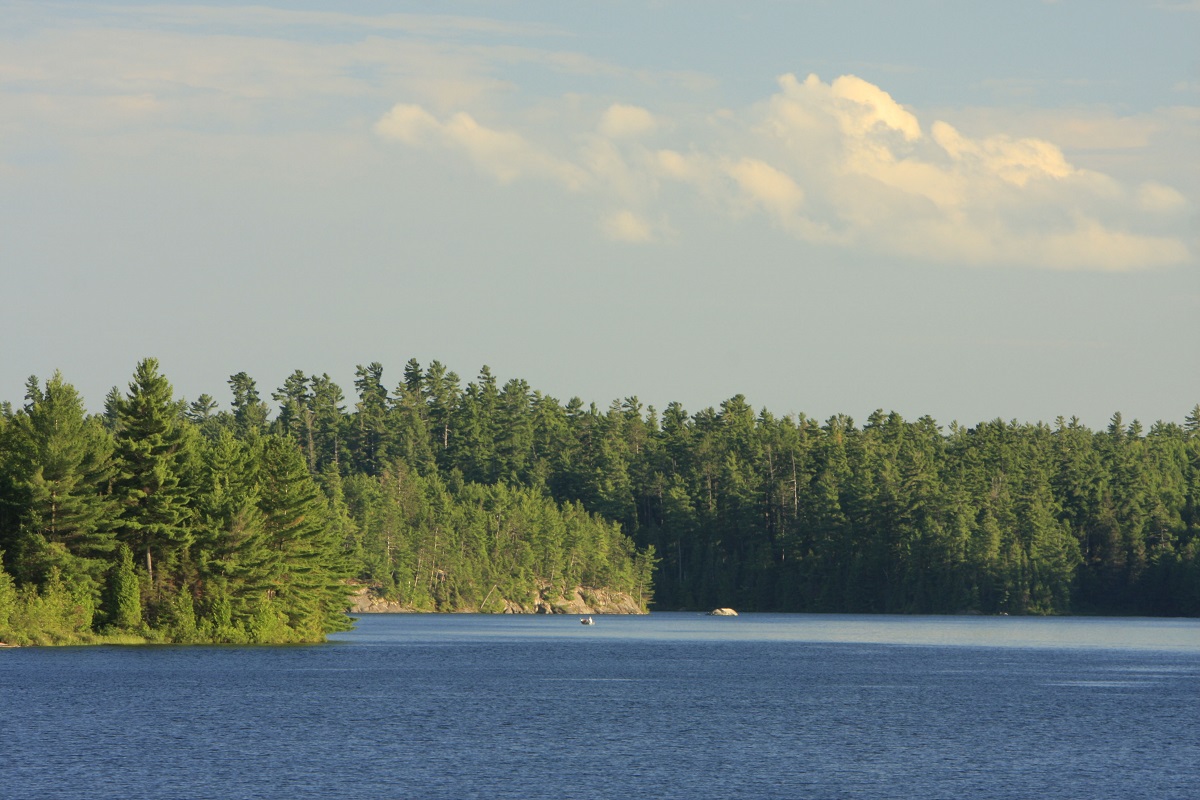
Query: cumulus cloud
{"points": [[775, 191], [844, 163], [1014, 161]]}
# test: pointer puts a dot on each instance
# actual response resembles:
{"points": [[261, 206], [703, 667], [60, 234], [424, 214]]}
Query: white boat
{"points": [[586, 621]]}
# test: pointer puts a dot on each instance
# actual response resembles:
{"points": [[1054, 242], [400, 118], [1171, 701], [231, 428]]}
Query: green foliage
{"points": [[434, 548], [184, 523], [183, 625], [151, 456], [56, 478], [8, 599], [59, 613], [125, 593], [307, 568]]}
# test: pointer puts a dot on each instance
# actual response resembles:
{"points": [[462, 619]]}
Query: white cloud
{"points": [[621, 122], [252, 17], [1015, 161], [1090, 245], [866, 107], [844, 164], [410, 124], [766, 186], [505, 155], [1157, 198], [626, 226]]}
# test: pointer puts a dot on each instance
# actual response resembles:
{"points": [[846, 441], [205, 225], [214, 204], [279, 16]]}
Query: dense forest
{"points": [[163, 520], [189, 522]]}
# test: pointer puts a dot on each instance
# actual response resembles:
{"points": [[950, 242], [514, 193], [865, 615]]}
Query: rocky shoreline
{"points": [[549, 600]]}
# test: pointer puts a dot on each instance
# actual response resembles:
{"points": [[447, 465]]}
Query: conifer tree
{"points": [[370, 426], [249, 411], [151, 457], [229, 542], [328, 423], [60, 466], [442, 391], [308, 568], [295, 418], [125, 599]]}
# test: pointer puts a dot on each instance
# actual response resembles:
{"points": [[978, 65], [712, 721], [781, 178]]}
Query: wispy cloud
{"points": [[283, 22], [626, 226], [622, 121], [505, 155], [840, 163], [844, 163]]}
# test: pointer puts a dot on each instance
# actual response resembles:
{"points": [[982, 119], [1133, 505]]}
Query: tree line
{"points": [[451, 495], [162, 520], [743, 507]]}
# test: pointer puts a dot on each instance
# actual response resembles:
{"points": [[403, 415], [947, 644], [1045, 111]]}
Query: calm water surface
{"points": [[670, 705]]}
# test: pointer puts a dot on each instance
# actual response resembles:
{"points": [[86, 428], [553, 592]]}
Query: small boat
{"points": [[586, 621]]}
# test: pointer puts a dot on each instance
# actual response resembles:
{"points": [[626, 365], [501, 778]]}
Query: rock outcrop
{"points": [[722, 612], [581, 600]]}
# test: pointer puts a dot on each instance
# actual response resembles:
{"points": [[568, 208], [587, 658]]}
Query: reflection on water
{"points": [[1131, 633]]}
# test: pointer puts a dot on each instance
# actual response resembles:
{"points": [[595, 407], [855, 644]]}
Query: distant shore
{"points": [[580, 600]]}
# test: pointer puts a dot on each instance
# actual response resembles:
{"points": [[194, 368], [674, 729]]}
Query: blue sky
{"points": [[967, 210]]}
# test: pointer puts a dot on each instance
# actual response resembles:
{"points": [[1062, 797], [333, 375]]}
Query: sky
{"points": [[966, 210]]}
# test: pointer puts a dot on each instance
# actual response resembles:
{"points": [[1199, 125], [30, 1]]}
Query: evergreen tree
{"points": [[328, 422], [410, 422], [230, 546], [309, 571], [474, 450], [151, 456], [202, 412], [59, 473], [249, 411], [370, 425], [443, 393], [296, 417], [125, 596]]}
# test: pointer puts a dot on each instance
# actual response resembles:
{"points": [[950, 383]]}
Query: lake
{"points": [[669, 705]]}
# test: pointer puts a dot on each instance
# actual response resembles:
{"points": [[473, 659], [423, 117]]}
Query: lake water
{"points": [[670, 705]]}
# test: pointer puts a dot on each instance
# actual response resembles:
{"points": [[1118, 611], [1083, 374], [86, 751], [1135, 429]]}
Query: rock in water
{"points": [[722, 612]]}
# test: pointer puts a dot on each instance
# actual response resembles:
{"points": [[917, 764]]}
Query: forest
{"points": [[181, 521], [167, 521]]}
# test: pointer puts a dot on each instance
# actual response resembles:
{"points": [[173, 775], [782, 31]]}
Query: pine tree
{"points": [[249, 411], [60, 467], [151, 457], [370, 424], [309, 569], [295, 418], [442, 390], [328, 423], [230, 545]]}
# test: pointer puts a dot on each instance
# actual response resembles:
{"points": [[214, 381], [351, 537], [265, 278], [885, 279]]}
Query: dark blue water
{"points": [[670, 706]]}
